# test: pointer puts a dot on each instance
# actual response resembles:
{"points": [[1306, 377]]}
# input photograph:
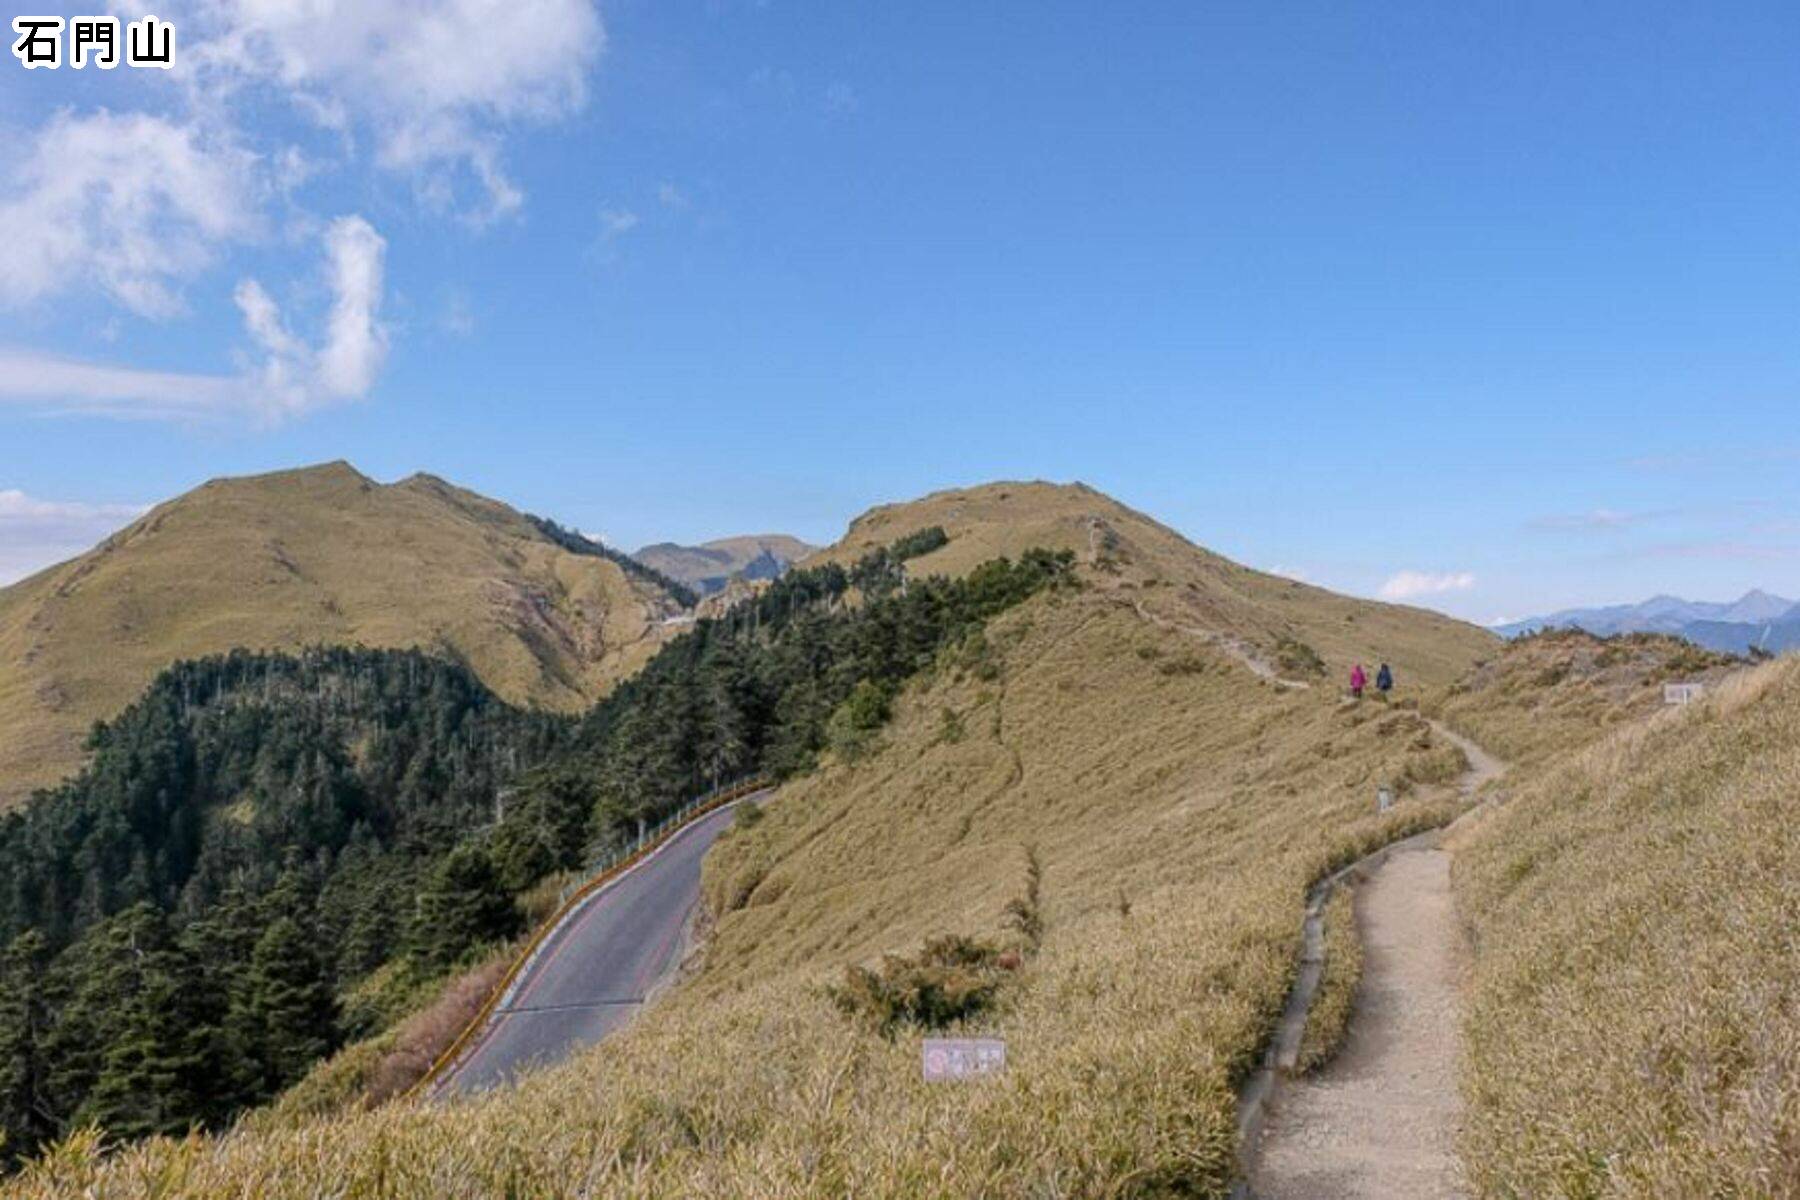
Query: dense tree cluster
{"points": [[253, 835], [182, 923]]}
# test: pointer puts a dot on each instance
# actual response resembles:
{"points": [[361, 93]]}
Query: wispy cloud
{"points": [[672, 197], [291, 377], [1408, 585], [400, 76], [615, 223], [35, 532], [61, 385], [1599, 520], [130, 204], [139, 207]]}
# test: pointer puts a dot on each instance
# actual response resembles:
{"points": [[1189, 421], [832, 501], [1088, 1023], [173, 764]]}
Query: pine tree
{"points": [[27, 1115], [464, 905], [293, 1014], [155, 1069]]}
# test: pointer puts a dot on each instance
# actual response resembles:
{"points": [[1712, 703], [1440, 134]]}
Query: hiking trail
{"points": [[1381, 1119]]}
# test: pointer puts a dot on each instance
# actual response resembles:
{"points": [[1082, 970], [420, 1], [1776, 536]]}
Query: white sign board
{"points": [[1682, 693], [961, 1058]]}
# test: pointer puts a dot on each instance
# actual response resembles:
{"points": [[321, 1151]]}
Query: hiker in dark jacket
{"points": [[1384, 680]]}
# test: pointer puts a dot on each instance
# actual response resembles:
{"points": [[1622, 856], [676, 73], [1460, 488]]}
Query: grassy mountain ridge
{"points": [[319, 555], [1177, 804], [1160, 573]]}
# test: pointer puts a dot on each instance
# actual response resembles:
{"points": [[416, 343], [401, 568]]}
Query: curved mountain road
{"points": [[597, 968]]}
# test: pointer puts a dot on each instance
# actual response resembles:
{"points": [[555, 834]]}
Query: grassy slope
{"points": [[1147, 563], [1151, 771], [1634, 1027], [299, 557], [1559, 690]]}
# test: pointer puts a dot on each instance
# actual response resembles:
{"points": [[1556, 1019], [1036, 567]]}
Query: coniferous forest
{"points": [[185, 924]]}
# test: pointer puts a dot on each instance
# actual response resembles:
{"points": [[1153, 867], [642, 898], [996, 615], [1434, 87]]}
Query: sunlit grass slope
{"points": [[1562, 688], [1146, 563], [1634, 1027], [321, 555], [1178, 808]]}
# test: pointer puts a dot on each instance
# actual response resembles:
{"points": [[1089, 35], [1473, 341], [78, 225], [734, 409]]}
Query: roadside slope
{"points": [[321, 555]]}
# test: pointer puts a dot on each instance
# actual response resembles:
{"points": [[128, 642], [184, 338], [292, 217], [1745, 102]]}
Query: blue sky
{"points": [[1489, 306]]}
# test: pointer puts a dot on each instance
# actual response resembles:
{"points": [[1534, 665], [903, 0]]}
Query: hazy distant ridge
{"points": [[1757, 618]]}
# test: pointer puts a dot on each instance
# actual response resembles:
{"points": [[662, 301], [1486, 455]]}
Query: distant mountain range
{"points": [[708, 567], [1756, 619]]}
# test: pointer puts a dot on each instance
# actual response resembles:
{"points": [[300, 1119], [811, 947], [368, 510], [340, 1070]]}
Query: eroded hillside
{"points": [[316, 556]]}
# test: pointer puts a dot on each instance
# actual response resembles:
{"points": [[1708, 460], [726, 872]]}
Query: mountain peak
{"points": [[318, 555]]}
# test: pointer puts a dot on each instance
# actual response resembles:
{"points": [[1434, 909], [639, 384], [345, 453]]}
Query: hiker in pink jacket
{"points": [[1359, 679]]}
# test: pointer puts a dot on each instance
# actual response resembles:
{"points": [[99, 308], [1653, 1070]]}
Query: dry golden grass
{"points": [[1634, 1026], [321, 555], [1329, 1019], [1146, 563], [1541, 695], [1179, 808]]}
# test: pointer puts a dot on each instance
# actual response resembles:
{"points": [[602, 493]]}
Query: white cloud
{"points": [[1294, 573], [670, 196], [138, 205], [1407, 585], [35, 533], [433, 82], [130, 203], [291, 376], [356, 342]]}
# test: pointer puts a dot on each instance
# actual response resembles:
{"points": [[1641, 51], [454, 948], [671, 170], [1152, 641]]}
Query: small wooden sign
{"points": [[962, 1058], [1682, 693]]}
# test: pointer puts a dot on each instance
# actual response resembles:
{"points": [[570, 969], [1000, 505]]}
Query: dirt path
{"points": [[1381, 1120]]}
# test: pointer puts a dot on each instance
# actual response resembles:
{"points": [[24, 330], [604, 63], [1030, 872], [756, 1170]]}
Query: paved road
{"points": [[595, 971]]}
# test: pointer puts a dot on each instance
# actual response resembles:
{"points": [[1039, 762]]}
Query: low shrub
{"points": [[951, 979]]}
